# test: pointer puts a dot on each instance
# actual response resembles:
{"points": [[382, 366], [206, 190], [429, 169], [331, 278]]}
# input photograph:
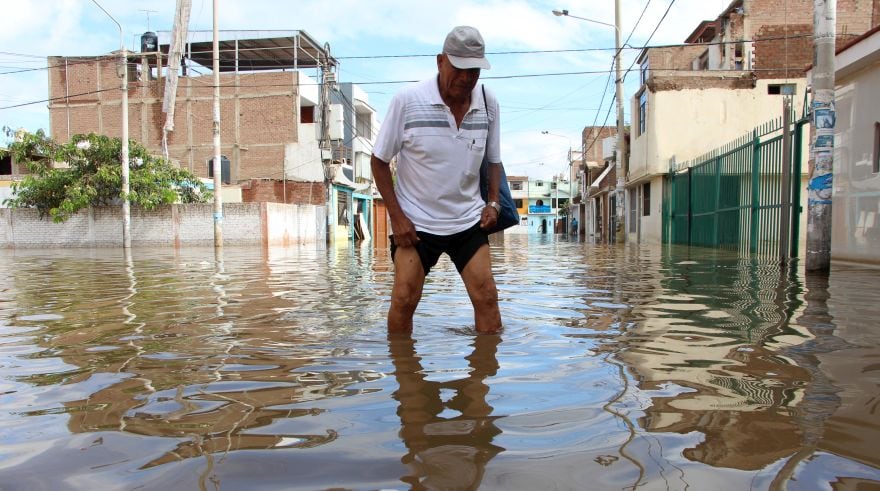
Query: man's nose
{"points": [[470, 75]]}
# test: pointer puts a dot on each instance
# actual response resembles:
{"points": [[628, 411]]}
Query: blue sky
{"points": [[528, 46]]}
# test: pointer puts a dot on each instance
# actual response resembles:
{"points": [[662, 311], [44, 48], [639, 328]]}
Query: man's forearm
{"points": [[382, 178], [494, 182]]}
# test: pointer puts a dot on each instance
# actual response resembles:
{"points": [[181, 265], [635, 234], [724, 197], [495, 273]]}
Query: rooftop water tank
{"points": [[149, 42]]}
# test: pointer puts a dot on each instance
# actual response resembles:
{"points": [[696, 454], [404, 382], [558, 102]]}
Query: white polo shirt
{"points": [[438, 165]]}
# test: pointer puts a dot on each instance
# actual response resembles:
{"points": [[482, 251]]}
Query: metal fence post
{"points": [[756, 177], [785, 185]]}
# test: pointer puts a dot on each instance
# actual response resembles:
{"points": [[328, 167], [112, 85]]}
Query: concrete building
{"points": [[597, 178], [353, 127], [856, 193], [541, 204], [728, 78]]}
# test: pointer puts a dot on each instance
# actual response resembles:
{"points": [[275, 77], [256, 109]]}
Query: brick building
{"points": [[269, 108], [727, 78]]}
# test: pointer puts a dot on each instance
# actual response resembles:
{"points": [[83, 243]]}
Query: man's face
{"points": [[456, 83]]}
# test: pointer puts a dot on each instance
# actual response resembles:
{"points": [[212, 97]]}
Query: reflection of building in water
{"points": [[839, 412], [707, 352], [449, 442], [217, 416], [754, 362], [158, 360]]}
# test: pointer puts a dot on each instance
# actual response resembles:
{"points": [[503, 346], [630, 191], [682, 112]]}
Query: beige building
{"points": [[729, 78], [856, 192]]}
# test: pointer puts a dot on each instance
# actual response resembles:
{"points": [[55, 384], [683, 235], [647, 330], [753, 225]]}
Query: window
{"points": [[643, 110], [516, 185], [646, 199], [343, 202], [224, 169], [539, 184], [643, 75], [703, 61], [363, 125], [875, 167], [307, 114], [633, 210], [518, 203], [6, 164], [782, 89]]}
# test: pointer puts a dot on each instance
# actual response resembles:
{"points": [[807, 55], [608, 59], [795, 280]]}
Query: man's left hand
{"points": [[488, 218]]}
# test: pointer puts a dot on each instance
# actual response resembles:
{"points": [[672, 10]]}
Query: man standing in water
{"points": [[440, 129]]}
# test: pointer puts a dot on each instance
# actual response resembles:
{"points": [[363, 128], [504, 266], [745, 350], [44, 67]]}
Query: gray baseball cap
{"points": [[465, 48]]}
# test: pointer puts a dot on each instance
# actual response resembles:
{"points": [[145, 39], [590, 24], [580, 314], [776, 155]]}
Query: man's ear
{"points": [[439, 60]]}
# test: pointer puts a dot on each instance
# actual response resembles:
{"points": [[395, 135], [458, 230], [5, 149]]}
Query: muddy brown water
{"points": [[618, 368]]}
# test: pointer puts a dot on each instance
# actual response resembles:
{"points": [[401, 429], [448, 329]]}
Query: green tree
{"points": [[93, 176]]}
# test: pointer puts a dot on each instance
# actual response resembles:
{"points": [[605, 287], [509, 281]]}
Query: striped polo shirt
{"points": [[438, 165]]}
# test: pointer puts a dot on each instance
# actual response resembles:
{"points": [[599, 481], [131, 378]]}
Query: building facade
{"points": [[729, 77], [276, 90], [855, 232]]}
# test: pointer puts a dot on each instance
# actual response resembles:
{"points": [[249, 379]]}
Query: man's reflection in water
{"points": [[449, 451]]}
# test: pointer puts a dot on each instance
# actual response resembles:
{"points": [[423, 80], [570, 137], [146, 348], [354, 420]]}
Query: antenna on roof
{"points": [[148, 12]]}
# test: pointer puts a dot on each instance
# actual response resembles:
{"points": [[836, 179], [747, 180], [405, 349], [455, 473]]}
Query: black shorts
{"points": [[460, 247]]}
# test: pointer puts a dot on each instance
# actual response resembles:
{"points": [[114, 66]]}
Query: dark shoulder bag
{"points": [[508, 216]]}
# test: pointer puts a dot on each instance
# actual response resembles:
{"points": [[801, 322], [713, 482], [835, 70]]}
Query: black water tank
{"points": [[149, 42]]}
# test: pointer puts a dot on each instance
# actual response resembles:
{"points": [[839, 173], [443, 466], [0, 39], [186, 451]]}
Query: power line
{"points": [[608, 84], [655, 32], [559, 51]]}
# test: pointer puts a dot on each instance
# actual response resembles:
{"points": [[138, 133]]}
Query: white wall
{"points": [[689, 123], [173, 225], [856, 193]]}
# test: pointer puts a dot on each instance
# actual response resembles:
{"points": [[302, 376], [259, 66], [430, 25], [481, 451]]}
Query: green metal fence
{"points": [[732, 197]]}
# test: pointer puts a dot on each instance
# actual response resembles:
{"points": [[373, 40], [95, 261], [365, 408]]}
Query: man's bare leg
{"points": [[409, 279], [480, 284]]}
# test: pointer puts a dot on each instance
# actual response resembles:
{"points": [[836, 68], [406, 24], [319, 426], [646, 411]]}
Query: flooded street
{"points": [[618, 368]]}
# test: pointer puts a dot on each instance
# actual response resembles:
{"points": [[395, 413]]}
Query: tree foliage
{"points": [[93, 176]]}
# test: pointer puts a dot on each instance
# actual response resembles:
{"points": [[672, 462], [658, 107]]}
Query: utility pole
{"points": [[216, 166], [123, 153], [126, 202], [328, 82], [821, 167], [621, 138]]}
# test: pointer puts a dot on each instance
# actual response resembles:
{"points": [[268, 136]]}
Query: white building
{"points": [[856, 193]]}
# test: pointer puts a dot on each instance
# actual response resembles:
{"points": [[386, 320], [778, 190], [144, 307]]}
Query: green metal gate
{"points": [[732, 198]]}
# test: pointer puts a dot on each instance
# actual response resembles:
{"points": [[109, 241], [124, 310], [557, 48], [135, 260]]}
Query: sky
{"points": [[550, 73]]}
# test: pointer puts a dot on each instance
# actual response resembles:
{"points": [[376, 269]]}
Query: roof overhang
{"points": [[253, 50]]}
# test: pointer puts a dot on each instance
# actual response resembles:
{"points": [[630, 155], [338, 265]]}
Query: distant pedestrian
{"points": [[440, 129], [574, 226]]}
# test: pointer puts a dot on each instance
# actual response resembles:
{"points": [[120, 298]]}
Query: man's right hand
{"points": [[404, 232]]}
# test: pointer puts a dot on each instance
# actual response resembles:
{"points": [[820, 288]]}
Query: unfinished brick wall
{"points": [[761, 13], [783, 51], [875, 17], [259, 114], [674, 58], [298, 193], [592, 137]]}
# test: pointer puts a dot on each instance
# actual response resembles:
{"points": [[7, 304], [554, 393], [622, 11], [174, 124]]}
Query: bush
{"points": [[94, 176]]}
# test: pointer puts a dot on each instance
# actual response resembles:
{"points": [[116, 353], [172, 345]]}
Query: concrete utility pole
{"points": [[123, 153], [217, 167], [621, 138], [821, 167], [620, 168]]}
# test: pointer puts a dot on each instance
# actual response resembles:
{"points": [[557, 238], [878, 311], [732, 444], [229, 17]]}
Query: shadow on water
{"points": [[618, 368]]}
